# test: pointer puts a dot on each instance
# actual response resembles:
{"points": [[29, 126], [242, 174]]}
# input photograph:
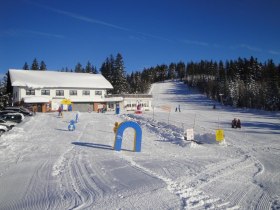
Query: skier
{"points": [[233, 123], [59, 111], [238, 123]]}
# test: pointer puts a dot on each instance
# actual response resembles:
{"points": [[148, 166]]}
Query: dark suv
{"points": [[19, 109], [14, 117]]}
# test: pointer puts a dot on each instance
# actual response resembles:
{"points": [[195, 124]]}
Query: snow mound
{"points": [[171, 133]]}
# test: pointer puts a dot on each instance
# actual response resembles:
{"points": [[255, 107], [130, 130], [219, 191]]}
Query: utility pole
{"points": [[221, 96]]}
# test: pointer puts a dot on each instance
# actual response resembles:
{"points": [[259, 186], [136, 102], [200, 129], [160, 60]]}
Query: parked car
{"points": [[15, 117], [8, 124], [3, 129], [3, 112], [19, 109]]}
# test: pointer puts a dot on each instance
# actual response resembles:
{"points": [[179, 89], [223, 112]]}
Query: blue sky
{"points": [[146, 33]]}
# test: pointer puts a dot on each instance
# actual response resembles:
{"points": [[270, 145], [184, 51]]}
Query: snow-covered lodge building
{"points": [[45, 90]]}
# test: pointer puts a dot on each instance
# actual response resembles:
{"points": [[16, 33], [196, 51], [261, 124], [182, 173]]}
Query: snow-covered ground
{"points": [[45, 166]]}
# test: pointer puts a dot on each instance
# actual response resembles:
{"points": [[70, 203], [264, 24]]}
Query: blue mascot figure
{"points": [[71, 126]]}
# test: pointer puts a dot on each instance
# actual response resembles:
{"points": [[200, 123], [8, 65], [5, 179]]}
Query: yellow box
{"points": [[220, 135]]}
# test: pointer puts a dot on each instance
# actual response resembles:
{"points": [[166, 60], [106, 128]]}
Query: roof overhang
{"points": [[113, 99], [35, 99]]}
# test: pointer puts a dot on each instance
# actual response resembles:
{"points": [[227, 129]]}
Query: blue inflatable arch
{"points": [[137, 135]]}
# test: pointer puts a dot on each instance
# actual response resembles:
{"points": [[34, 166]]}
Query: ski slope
{"points": [[45, 166]]}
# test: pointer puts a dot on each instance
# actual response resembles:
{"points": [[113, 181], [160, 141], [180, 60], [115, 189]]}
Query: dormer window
{"points": [[30, 92], [45, 92], [72, 92], [59, 92], [86, 92], [98, 92]]}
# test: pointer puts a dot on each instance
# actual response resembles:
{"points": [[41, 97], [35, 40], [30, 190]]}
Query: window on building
{"points": [[144, 104], [30, 92], [98, 92], [45, 92], [73, 92], [86, 92], [59, 92], [110, 105]]}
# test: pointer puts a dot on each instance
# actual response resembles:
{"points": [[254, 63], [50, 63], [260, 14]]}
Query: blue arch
{"points": [[137, 135]]}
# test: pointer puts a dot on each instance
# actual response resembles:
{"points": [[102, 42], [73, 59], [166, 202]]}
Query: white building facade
{"points": [[132, 101], [44, 90]]}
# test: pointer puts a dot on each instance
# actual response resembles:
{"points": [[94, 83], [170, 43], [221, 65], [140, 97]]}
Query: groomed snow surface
{"points": [[45, 166]]}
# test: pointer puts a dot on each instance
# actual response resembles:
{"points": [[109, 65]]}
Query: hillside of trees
{"points": [[240, 83], [244, 83]]}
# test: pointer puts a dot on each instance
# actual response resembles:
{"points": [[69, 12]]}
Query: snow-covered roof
{"points": [[55, 79]]}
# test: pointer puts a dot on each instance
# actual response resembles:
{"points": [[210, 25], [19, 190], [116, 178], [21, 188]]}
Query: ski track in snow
{"points": [[80, 170], [189, 196], [187, 191]]}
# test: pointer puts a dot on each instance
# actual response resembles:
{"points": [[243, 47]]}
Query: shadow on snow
{"points": [[97, 146]]}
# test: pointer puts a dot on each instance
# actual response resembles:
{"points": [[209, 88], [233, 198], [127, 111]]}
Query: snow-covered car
{"points": [[19, 109], [3, 112], [9, 124], [3, 129], [15, 117]]}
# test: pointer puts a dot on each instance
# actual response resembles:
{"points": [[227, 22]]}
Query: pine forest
{"points": [[242, 83]]}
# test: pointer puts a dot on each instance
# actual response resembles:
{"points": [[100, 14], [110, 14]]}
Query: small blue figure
{"points": [[117, 109], [71, 126], [77, 117]]}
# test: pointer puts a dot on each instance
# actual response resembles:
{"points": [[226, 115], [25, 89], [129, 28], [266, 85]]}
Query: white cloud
{"points": [[84, 18], [274, 52], [18, 32], [44, 34], [199, 43], [248, 47], [99, 22]]}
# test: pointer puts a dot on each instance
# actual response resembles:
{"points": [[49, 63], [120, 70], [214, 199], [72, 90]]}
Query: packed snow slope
{"points": [[45, 166]]}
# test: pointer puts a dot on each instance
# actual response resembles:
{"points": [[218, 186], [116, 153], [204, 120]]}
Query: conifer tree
{"points": [[35, 65], [94, 70], [88, 68], [119, 81], [4, 94], [106, 68], [43, 66], [79, 68], [171, 71], [25, 66], [181, 69], [273, 89]]}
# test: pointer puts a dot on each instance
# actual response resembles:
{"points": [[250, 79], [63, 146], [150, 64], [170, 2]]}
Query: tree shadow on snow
{"points": [[181, 93], [97, 146], [94, 145], [59, 129]]}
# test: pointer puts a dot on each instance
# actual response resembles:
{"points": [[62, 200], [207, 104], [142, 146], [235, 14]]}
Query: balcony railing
{"points": [[130, 96]]}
